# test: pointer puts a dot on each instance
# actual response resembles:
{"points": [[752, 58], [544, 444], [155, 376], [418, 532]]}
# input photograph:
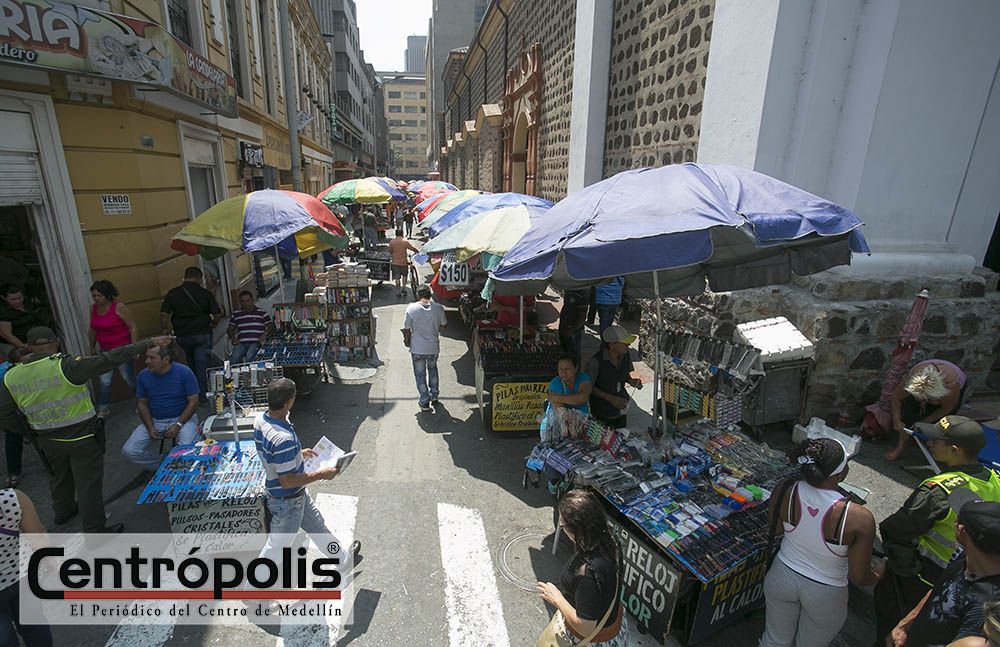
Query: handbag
{"points": [[556, 634]]}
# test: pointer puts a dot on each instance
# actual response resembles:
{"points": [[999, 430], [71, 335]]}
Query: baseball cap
{"points": [[980, 518], [957, 430], [617, 334], [41, 335]]}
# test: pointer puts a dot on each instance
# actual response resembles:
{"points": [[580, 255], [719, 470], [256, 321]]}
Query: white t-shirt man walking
{"points": [[421, 332]]}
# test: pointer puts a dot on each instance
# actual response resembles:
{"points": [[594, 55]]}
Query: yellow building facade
{"points": [[98, 173]]}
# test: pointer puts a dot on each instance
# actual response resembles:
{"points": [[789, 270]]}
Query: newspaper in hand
{"points": [[328, 455]]}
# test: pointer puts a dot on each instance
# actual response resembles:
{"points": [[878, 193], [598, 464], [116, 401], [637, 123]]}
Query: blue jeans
{"points": [[425, 370], [10, 622], [606, 313], [245, 350], [196, 349], [290, 515], [127, 371]]}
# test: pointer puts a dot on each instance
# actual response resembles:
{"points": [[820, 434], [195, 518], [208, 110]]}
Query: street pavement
{"points": [[438, 504]]}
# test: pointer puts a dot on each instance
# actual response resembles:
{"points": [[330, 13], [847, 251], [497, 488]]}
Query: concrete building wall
{"points": [[415, 54], [406, 113]]}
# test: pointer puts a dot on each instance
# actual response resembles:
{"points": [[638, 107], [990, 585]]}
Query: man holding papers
{"points": [[284, 463]]}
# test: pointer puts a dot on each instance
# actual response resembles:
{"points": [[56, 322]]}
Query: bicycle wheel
{"points": [[413, 281]]}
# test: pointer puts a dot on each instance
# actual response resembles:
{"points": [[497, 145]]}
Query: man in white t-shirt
{"points": [[421, 332]]}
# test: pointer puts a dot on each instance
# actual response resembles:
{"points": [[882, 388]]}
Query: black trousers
{"points": [[895, 596], [78, 475]]}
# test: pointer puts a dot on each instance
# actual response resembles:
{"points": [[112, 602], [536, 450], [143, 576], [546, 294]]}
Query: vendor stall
{"points": [[691, 514], [512, 377], [297, 342]]}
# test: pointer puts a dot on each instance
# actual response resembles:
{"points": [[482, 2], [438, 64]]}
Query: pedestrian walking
{"points": [[167, 399], [827, 541], [919, 538], [190, 313], [400, 261], [286, 478], [421, 333], [608, 299], [963, 604], [588, 611], [50, 391], [17, 515], [111, 326], [247, 329], [408, 215]]}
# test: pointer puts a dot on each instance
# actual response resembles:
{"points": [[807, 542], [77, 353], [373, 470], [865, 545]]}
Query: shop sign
{"points": [[230, 516], [730, 596], [650, 584], [251, 154], [458, 274], [115, 204], [517, 405], [70, 38]]}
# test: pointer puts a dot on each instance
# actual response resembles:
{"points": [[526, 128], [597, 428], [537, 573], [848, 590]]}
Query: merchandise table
{"points": [[210, 487], [512, 377], [691, 516], [298, 342]]}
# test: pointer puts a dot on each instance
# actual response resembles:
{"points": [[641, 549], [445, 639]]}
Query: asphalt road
{"points": [[435, 501]]}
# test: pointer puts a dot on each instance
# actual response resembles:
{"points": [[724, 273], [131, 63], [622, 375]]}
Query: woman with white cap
{"points": [[827, 541]]}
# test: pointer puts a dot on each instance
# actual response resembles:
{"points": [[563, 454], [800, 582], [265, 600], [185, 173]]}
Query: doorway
{"points": [[519, 155], [22, 263], [203, 196]]}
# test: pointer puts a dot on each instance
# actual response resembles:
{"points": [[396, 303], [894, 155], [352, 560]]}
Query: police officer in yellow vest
{"points": [[919, 538], [49, 394]]}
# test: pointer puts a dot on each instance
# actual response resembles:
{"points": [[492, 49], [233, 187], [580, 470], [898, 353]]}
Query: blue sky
{"points": [[384, 26]]}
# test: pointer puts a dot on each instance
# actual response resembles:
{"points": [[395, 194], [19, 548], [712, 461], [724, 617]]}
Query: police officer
{"points": [[50, 391], [919, 538]]}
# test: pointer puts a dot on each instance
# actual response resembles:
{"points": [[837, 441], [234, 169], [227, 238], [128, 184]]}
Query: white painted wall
{"points": [[882, 105], [591, 70]]}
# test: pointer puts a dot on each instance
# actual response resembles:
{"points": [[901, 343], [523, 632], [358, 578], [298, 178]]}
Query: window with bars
{"points": [[179, 17]]}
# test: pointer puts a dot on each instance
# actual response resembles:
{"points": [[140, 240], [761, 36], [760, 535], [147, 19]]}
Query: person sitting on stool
{"points": [[167, 397]]}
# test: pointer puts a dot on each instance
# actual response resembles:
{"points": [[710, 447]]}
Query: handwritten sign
{"points": [[116, 204], [650, 584], [517, 405], [730, 596], [232, 516]]}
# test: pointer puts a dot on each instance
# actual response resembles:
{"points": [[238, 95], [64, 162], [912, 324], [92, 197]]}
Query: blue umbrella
{"points": [[679, 226], [394, 194], [479, 204]]}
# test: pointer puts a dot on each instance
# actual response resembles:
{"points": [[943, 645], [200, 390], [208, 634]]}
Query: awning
{"points": [[79, 40]]}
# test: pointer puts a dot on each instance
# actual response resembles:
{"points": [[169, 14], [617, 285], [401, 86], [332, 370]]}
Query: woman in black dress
{"points": [[586, 598]]}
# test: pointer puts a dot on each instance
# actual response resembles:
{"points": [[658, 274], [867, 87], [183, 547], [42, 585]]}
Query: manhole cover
{"points": [[527, 559]]}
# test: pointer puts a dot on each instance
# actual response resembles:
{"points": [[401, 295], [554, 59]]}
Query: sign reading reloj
{"points": [[70, 38]]}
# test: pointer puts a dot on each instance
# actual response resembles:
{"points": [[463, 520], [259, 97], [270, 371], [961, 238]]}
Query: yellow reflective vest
{"points": [[938, 543], [46, 398]]}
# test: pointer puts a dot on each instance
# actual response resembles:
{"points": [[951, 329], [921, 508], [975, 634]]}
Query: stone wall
{"points": [[490, 159], [659, 56], [855, 324]]}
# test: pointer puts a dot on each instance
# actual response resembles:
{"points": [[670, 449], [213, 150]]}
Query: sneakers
{"points": [[425, 408], [435, 403]]}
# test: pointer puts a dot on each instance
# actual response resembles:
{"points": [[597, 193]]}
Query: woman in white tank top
{"points": [[827, 541]]}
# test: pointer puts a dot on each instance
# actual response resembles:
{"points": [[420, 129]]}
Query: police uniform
{"points": [[919, 538], [49, 396]]}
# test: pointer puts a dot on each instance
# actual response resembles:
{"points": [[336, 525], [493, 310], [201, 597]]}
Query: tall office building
{"points": [[453, 24], [415, 46], [406, 114]]}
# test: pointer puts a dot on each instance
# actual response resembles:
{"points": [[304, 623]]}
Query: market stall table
{"points": [[298, 343]]}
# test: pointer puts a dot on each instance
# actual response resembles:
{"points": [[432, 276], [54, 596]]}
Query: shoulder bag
{"points": [[556, 634]]}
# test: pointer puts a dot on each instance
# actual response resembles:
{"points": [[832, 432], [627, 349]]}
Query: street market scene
{"points": [[590, 322]]}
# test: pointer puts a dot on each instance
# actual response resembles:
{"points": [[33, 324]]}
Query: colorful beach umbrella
{"points": [[391, 188], [361, 191], [479, 204], [447, 201], [257, 221], [492, 232], [425, 193]]}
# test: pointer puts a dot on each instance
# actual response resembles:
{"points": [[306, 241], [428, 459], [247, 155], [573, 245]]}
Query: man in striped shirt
{"points": [[282, 456], [247, 329]]}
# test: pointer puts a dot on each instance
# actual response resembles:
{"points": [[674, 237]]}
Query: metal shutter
{"points": [[20, 180]]}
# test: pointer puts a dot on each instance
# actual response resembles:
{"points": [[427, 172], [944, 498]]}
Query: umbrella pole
{"points": [[520, 310], [658, 368]]}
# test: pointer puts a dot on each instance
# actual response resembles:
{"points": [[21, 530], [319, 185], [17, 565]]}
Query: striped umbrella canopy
{"points": [[878, 416], [447, 201], [391, 188], [433, 184], [259, 220], [428, 191], [492, 232], [358, 191], [479, 204]]}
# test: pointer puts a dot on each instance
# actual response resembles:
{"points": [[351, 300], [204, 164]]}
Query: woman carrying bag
{"points": [[827, 540], [586, 600]]}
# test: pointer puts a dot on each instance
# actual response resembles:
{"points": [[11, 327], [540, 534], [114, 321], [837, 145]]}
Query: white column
{"points": [[591, 68]]}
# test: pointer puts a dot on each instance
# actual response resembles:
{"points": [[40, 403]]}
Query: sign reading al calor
{"points": [[70, 38]]}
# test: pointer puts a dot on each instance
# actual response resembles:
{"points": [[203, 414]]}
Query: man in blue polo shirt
{"points": [[166, 396], [282, 456]]}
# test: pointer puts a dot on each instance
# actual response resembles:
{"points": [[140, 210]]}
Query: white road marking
{"points": [[475, 614], [340, 513]]}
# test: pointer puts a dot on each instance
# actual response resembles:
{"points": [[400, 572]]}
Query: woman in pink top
{"points": [[111, 326], [933, 389]]}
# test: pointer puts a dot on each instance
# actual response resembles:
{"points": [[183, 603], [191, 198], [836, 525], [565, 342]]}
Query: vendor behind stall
{"points": [[508, 307], [570, 388], [611, 369], [931, 390]]}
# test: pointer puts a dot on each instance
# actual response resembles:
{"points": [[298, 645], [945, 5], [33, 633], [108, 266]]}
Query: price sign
{"points": [[453, 273]]}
